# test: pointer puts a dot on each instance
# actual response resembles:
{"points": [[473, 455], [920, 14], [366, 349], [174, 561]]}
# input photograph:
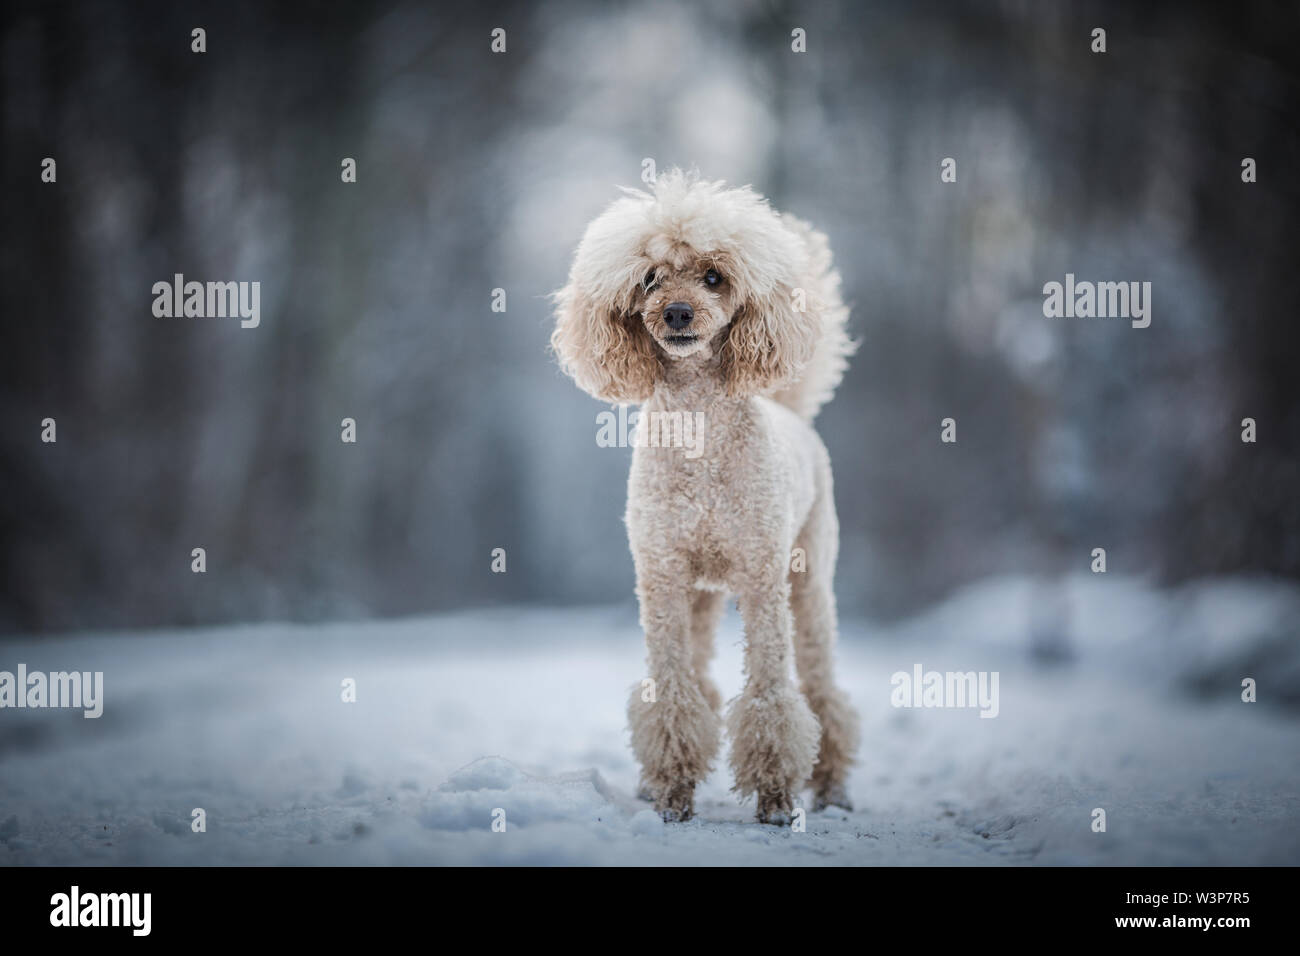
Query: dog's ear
{"points": [[604, 348], [771, 339]]}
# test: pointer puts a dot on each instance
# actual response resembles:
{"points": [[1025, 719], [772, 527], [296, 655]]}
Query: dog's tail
{"points": [[830, 357]]}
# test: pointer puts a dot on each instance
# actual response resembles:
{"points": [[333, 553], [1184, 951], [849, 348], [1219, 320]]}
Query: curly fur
{"points": [[604, 346], [763, 351]]}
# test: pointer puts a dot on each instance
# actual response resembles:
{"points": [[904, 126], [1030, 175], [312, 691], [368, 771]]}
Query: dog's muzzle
{"points": [[678, 315]]}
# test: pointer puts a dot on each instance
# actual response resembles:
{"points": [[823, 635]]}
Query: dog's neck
{"points": [[694, 383]]}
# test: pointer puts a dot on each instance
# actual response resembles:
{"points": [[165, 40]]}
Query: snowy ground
{"points": [[461, 714]]}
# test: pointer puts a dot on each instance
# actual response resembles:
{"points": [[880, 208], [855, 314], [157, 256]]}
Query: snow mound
{"points": [[493, 790], [486, 773]]}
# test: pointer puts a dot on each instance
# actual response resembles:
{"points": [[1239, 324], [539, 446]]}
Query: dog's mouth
{"points": [[681, 339]]}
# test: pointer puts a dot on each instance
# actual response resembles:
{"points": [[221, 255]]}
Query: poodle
{"points": [[698, 298]]}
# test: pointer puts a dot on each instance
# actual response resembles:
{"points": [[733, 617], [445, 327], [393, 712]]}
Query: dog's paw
{"points": [[775, 808], [832, 795], [677, 804]]}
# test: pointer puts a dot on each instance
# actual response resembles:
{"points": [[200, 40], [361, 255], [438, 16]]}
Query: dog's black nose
{"points": [[678, 315]]}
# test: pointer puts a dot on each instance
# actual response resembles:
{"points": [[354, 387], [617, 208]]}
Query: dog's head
{"points": [[691, 269]]}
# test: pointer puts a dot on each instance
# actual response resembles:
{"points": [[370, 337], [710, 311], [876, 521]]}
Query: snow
{"points": [[466, 717]]}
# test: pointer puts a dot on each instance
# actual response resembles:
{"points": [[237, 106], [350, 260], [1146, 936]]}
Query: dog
{"points": [[698, 298]]}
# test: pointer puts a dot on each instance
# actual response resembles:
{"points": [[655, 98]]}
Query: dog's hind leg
{"points": [[706, 611], [675, 731], [813, 602]]}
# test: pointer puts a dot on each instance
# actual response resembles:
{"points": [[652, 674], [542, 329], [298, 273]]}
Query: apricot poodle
{"points": [[698, 298]]}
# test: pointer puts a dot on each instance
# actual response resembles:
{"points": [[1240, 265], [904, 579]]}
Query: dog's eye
{"points": [[712, 277], [649, 282]]}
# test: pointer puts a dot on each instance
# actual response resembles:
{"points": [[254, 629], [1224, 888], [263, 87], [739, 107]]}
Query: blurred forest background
{"points": [[479, 170]]}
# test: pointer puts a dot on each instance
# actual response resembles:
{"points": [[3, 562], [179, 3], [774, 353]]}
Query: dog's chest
{"points": [[679, 492], [688, 507]]}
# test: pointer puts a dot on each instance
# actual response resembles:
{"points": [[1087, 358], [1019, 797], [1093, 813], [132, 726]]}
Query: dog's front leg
{"points": [[674, 730], [774, 733]]}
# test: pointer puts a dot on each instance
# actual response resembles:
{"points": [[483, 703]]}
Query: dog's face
{"points": [[685, 300], [691, 269]]}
